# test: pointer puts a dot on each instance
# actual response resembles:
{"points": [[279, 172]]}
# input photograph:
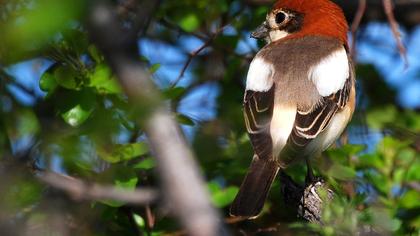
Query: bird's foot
{"points": [[313, 180], [313, 187]]}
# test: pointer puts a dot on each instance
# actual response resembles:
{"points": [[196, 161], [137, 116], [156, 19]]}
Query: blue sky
{"points": [[380, 50]]}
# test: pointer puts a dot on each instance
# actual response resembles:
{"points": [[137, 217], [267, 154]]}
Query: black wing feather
{"points": [[258, 110], [309, 123]]}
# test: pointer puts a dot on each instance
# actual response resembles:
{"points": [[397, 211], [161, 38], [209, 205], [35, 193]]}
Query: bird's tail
{"points": [[254, 189]]}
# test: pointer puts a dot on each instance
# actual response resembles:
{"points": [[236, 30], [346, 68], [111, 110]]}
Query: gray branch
{"points": [[81, 190], [305, 200], [183, 186]]}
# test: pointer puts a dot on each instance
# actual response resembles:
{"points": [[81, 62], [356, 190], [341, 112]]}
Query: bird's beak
{"points": [[261, 32]]}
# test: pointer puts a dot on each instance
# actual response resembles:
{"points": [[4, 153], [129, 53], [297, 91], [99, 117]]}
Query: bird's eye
{"points": [[280, 17]]}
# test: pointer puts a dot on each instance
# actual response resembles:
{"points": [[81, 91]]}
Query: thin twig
{"points": [[10, 79], [355, 26], [193, 54], [395, 30], [150, 218], [81, 190]]}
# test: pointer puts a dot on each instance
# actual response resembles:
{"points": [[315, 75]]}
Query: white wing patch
{"points": [[260, 75], [331, 73]]}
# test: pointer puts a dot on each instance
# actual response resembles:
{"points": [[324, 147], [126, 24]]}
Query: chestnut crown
{"points": [[299, 18]]}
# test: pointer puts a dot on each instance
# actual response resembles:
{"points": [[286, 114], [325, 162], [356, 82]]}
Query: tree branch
{"points": [[183, 187], [195, 53], [355, 26], [406, 11], [305, 200], [81, 190], [395, 29]]}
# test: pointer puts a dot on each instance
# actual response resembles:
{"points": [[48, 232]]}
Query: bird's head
{"points": [[300, 18]]}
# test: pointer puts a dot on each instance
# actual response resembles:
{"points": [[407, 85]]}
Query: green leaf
{"points": [[225, 197], [58, 75], [75, 107], [406, 156], [379, 182], [371, 160], [154, 68], [410, 199], [413, 173], [341, 155], [222, 197], [95, 54], [65, 76], [185, 120], [190, 22], [390, 144], [125, 152], [139, 221], [174, 93], [103, 80], [399, 175], [127, 183], [378, 118], [342, 172], [27, 123], [21, 194], [37, 24], [146, 164], [76, 115], [76, 40], [352, 149], [47, 82]]}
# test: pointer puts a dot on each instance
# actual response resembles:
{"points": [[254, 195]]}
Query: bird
{"points": [[299, 95]]}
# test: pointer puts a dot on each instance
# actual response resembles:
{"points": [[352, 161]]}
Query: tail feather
{"points": [[254, 189]]}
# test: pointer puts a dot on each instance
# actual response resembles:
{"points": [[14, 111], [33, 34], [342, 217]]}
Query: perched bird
{"points": [[299, 94]]}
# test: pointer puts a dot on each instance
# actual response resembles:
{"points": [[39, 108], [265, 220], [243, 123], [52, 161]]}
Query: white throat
{"points": [[275, 35]]}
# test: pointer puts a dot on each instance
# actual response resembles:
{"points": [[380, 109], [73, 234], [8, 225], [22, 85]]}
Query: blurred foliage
{"points": [[80, 123]]}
